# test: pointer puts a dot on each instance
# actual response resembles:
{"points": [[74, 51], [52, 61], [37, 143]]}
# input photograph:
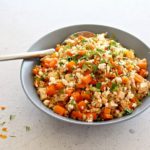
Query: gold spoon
{"points": [[41, 53]]}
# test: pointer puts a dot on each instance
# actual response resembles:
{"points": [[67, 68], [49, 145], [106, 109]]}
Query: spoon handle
{"points": [[26, 55]]}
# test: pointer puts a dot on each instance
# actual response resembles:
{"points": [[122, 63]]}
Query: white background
{"points": [[22, 22]]}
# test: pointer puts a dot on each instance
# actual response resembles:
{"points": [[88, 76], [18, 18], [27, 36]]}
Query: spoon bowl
{"points": [[41, 53]]}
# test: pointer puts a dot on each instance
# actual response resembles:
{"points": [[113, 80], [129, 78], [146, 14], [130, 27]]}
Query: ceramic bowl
{"points": [[51, 39]]}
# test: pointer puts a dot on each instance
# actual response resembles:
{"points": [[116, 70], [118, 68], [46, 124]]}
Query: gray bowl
{"points": [[57, 36]]}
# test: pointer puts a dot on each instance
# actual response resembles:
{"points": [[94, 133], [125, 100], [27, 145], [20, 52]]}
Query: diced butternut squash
{"points": [[120, 71], [129, 67], [112, 62], [69, 53], [129, 54], [80, 64], [35, 70], [134, 100], [143, 64], [85, 95], [93, 115], [103, 87], [106, 114], [80, 85], [111, 75], [59, 85], [50, 63], [93, 82], [87, 79], [80, 37], [51, 90], [125, 80], [77, 96], [106, 110], [138, 78], [77, 115], [143, 72], [87, 72], [69, 91], [71, 65], [59, 110], [81, 105], [81, 52], [57, 47]]}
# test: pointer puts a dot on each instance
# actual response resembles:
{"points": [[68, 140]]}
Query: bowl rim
{"points": [[69, 120]]}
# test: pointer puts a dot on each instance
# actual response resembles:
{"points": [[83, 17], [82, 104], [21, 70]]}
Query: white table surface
{"points": [[22, 22]]}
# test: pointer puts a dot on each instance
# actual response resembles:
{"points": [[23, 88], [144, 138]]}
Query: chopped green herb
{"points": [[100, 50], [69, 58], [12, 136], [75, 35], [91, 53], [132, 63], [113, 37], [83, 57], [98, 119], [27, 128], [94, 89], [83, 40], [71, 75], [61, 91], [98, 85], [120, 63], [44, 76], [73, 102], [37, 78], [103, 61], [113, 43], [67, 47], [85, 67], [95, 68], [127, 112], [114, 87], [115, 53], [139, 102], [1, 124], [148, 93], [92, 75], [11, 117], [74, 58], [61, 63], [87, 92]]}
